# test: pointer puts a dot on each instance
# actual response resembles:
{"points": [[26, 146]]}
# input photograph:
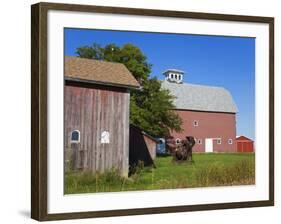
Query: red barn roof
{"points": [[243, 138]]}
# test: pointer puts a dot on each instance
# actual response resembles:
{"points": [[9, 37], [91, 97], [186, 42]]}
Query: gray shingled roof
{"points": [[173, 70], [202, 98]]}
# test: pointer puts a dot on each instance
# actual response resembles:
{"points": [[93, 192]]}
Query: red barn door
{"points": [[239, 147]]}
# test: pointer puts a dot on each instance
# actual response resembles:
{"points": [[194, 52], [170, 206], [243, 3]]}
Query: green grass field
{"points": [[208, 169]]}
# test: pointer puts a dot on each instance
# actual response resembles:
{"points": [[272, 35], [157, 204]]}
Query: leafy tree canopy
{"points": [[130, 55], [151, 107]]}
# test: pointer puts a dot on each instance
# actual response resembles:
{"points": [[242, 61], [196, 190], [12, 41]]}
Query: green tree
{"points": [[93, 52], [129, 55], [151, 107]]}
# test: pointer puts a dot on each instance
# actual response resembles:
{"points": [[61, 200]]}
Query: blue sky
{"points": [[208, 60]]}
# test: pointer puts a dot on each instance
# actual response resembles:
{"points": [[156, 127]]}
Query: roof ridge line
{"points": [[195, 84], [103, 61]]}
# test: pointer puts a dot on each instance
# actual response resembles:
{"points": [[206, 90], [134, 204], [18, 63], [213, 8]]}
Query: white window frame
{"points": [[75, 141], [230, 141], [199, 141], [178, 141], [104, 140], [195, 123], [219, 141]]}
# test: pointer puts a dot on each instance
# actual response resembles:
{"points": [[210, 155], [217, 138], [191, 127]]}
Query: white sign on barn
{"points": [[105, 137]]}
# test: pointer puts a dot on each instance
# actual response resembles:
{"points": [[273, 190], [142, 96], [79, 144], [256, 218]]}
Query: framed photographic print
{"points": [[139, 111]]}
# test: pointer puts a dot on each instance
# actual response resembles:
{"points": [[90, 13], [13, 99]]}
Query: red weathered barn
{"points": [[208, 113], [244, 144], [96, 114]]}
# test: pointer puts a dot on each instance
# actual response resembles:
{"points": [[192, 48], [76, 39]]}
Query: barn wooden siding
{"points": [[92, 110], [210, 125], [151, 145]]}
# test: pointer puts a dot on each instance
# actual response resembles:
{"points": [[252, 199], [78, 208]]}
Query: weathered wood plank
{"points": [[114, 131], [91, 111], [126, 134], [98, 131], [88, 127], [94, 132], [106, 128], [119, 133], [111, 127], [102, 127]]}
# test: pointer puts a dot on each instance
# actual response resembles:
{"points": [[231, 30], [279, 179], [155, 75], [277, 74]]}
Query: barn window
{"points": [[172, 76], [199, 141], [180, 77], [195, 123], [75, 136], [105, 137], [176, 76], [219, 141], [230, 141], [178, 141]]}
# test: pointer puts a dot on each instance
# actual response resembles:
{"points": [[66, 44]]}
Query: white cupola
{"points": [[173, 75]]}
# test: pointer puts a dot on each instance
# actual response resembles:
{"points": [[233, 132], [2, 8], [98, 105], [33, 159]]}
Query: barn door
{"points": [[208, 145]]}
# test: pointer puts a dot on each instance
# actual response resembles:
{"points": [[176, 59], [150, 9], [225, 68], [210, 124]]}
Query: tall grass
{"points": [[208, 170], [242, 172], [87, 181]]}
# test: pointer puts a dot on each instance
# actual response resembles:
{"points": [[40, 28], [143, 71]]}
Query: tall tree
{"points": [[151, 107], [93, 52], [129, 55]]}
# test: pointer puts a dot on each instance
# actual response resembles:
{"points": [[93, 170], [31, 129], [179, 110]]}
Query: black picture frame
{"points": [[39, 107]]}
